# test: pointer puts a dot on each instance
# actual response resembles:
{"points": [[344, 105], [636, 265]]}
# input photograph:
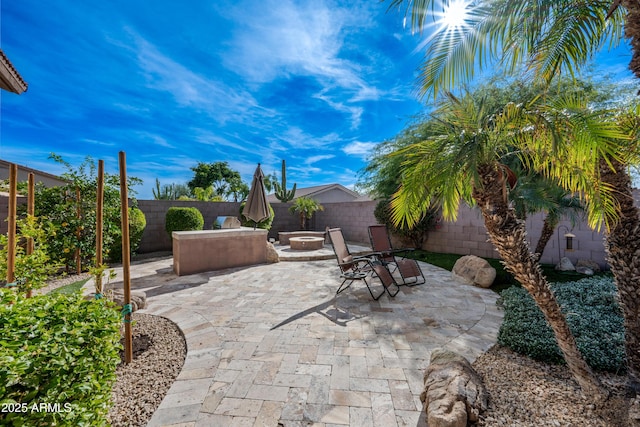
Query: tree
{"points": [[60, 206], [225, 181], [269, 181], [535, 193], [549, 38], [465, 160], [305, 207]]}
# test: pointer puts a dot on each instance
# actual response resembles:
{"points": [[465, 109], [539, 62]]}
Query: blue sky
{"points": [[317, 83]]}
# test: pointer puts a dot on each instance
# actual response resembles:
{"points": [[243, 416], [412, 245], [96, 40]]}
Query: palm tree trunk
{"points": [[623, 254], [508, 235], [548, 228], [632, 32]]}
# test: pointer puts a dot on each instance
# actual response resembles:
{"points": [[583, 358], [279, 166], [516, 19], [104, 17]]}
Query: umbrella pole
{"points": [[126, 262]]}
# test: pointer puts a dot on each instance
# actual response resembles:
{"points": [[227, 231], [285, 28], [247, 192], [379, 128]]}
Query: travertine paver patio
{"points": [[272, 344]]}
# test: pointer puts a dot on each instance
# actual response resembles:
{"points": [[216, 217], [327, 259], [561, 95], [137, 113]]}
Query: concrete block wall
{"points": [[353, 218], [466, 236], [155, 237], [588, 244]]}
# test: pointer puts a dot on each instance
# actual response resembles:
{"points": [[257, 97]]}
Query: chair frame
{"points": [[354, 268], [387, 255]]}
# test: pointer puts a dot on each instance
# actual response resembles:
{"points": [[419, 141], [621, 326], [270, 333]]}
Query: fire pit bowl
{"points": [[306, 243]]}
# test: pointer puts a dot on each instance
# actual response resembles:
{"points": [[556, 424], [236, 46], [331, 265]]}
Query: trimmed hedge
{"points": [[183, 219], [58, 359], [593, 314]]}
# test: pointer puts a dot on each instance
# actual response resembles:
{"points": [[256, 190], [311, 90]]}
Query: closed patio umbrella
{"points": [[257, 207]]}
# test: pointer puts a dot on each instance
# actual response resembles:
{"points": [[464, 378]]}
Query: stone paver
{"points": [[271, 344]]}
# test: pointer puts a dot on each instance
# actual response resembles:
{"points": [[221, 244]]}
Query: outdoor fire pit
{"points": [[306, 243]]}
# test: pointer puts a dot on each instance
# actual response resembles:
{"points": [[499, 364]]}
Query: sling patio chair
{"points": [[354, 268], [409, 269]]}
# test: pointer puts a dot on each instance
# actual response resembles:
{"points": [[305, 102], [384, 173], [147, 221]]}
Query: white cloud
{"points": [[281, 38], [217, 99], [294, 137], [360, 149], [314, 159]]}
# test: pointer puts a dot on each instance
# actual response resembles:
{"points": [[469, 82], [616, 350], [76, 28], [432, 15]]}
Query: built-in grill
{"points": [[226, 222]]}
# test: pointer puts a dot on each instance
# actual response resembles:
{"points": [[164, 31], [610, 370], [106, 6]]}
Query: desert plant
{"points": [[305, 207], [59, 351], [265, 224], [281, 192], [183, 219]]}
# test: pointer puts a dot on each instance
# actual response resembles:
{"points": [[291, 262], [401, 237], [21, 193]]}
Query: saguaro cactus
{"points": [[281, 192]]}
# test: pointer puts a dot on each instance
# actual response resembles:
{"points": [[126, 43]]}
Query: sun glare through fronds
{"points": [[455, 14], [451, 17]]}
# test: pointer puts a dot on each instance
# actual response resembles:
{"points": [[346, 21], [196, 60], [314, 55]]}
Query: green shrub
{"points": [[593, 315], [137, 223], [417, 234], [60, 207], [183, 219], [57, 350], [31, 271], [265, 224]]}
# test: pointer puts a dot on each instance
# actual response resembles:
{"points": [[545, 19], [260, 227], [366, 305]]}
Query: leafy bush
{"points": [[75, 219], [183, 219], [58, 350], [137, 223], [417, 234], [593, 315], [265, 224], [30, 271]]}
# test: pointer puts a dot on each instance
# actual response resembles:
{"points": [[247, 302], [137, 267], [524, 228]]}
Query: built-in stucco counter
{"points": [[207, 250]]}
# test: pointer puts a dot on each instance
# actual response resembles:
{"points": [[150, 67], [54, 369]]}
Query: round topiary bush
{"points": [[137, 224], [183, 219], [264, 224]]}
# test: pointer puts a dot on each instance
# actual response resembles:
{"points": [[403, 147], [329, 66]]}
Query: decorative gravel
{"points": [[159, 350], [524, 392]]}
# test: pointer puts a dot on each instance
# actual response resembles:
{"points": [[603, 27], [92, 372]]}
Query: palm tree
{"points": [[550, 37], [305, 207], [535, 193], [465, 161]]}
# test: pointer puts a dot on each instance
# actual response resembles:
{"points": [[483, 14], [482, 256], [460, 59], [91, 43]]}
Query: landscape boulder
{"points": [[138, 299], [565, 264], [454, 394], [587, 266], [474, 270], [272, 254]]}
